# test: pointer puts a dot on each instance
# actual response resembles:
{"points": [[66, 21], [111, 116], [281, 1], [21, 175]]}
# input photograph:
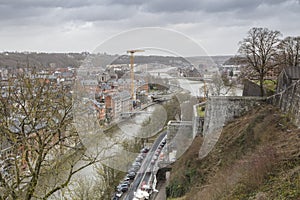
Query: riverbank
{"points": [[109, 127]]}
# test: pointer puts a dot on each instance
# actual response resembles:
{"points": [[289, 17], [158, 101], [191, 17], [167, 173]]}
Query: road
{"points": [[146, 169]]}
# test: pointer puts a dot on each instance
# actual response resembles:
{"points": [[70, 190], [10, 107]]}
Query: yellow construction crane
{"points": [[132, 71]]}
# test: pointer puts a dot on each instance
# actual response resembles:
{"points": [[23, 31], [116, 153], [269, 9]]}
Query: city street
{"points": [[146, 169]]}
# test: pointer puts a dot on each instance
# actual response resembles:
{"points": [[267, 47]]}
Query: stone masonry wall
{"points": [[219, 111], [289, 101]]}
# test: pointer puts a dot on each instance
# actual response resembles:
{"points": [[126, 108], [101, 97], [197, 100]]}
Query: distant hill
{"points": [[236, 60], [41, 60], [45, 60], [208, 61]]}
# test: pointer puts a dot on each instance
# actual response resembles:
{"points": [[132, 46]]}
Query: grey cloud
{"points": [[43, 14], [94, 10], [209, 6], [196, 5], [126, 2], [275, 10], [20, 14], [205, 19], [98, 13], [273, 2], [171, 6], [46, 3]]}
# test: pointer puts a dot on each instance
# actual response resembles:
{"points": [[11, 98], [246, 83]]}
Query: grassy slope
{"points": [[256, 157]]}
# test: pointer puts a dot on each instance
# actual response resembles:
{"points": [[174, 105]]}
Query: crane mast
{"points": [[132, 93]]}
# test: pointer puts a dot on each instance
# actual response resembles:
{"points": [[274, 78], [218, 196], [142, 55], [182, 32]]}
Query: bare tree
{"points": [[260, 49], [289, 52], [102, 186], [109, 178], [44, 148], [220, 85]]}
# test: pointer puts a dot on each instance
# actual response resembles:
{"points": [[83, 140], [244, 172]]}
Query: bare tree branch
{"points": [[260, 49]]}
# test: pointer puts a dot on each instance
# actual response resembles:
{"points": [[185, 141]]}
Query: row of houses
{"points": [[58, 76], [111, 105], [112, 93], [112, 99]]}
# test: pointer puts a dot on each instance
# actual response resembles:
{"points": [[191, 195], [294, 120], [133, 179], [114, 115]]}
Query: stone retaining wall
{"points": [[289, 101], [219, 111]]}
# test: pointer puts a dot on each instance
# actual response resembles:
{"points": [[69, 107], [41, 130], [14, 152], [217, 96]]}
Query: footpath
{"points": [[161, 195]]}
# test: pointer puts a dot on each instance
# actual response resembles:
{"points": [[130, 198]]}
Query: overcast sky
{"points": [[81, 25]]}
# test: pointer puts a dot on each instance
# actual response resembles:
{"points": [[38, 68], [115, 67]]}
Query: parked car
{"points": [[122, 187], [134, 168], [126, 178], [126, 182], [116, 198], [136, 164], [131, 175], [157, 152], [143, 155], [145, 150], [152, 162], [118, 195], [139, 159]]}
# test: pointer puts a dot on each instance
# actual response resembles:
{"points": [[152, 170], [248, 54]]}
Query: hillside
{"points": [[209, 60], [15, 59], [23, 59], [256, 157]]}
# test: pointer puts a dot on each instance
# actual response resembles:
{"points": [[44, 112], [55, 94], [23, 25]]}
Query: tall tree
{"points": [[260, 49], [289, 52], [42, 145]]}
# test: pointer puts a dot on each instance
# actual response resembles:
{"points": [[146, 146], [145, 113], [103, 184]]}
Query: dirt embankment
{"points": [[256, 157]]}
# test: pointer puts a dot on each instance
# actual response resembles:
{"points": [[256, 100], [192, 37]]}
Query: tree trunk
{"points": [[261, 85]]}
